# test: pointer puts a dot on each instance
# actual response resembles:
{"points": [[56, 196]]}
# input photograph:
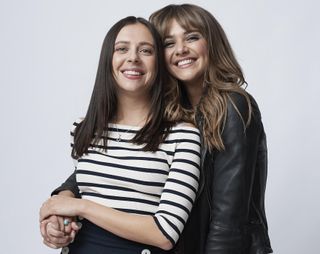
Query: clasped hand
{"points": [[53, 215]]}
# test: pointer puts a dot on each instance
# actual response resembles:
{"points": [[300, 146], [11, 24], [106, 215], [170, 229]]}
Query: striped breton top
{"points": [[162, 183]]}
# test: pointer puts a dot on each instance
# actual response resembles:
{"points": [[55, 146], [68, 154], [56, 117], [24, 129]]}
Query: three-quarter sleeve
{"points": [[181, 186]]}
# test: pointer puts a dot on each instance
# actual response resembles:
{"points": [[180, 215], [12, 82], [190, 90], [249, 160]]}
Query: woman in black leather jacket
{"points": [[229, 215]]}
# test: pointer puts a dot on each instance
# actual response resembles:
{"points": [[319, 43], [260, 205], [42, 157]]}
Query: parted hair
{"points": [[222, 76], [103, 103]]}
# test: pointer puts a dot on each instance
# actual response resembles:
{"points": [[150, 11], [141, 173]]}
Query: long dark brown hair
{"points": [[222, 76], [103, 104]]}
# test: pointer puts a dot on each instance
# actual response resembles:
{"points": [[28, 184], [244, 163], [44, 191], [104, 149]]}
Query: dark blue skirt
{"points": [[92, 239]]}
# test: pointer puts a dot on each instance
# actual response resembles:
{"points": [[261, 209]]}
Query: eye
{"points": [[121, 49], [168, 44], [146, 51], [193, 37]]}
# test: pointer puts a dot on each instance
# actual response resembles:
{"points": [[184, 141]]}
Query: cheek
{"points": [[152, 67], [167, 57], [114, 65], [203, 51]]}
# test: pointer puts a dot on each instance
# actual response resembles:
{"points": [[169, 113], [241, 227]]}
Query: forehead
{"points": [[135, 33], [176, 27]]}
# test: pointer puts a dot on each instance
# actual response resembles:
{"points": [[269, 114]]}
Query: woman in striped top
{"points": [[137, 173]]}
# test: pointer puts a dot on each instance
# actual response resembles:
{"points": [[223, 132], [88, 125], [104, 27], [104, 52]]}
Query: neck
{"points": [[132, 111], [194, 93]]}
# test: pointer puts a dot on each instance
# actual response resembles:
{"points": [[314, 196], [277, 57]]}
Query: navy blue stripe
{"points": [[188, 151], [178, 194], [182, 183], [196, 165], [172, 214], [184, 131], [120, 140], [163, 231], [127, 199], [185, 173], [129, 157], [177, 129], [126, 179], [182, 140], [170, 153], [171, 224], [107, 164], [113, 187], [168, 202]]}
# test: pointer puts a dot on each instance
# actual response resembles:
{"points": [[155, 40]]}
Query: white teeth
{"points": [[133, 73], [183, 62]]}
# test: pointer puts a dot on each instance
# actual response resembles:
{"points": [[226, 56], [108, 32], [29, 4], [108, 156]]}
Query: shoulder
{"points": [[184, 131], [241, 105], [238, 102], [184, 127]]}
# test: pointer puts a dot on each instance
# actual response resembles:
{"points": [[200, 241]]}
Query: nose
{"points": [[181, 48], [133, 56]]}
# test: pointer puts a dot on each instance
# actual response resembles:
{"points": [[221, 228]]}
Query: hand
{"points": [[55, 234], [61, 205]]}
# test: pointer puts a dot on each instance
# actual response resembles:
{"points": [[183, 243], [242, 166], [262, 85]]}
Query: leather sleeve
{"points": [[69, 184], [233, 172]]}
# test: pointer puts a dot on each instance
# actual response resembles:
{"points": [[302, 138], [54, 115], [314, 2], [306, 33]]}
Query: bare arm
{"points": [[139, 228]]}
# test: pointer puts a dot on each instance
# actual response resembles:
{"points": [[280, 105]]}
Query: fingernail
{"points": [[79, 224]]}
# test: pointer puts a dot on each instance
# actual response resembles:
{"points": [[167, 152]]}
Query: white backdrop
{"points": [[49, 52]]}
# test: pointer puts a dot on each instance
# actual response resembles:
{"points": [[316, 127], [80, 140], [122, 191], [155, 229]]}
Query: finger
{"points": [[59, 241], [67, 224], [43, 226], [57, 237], [60, 220], [54, 222], [76, 226], [73, 235], [54, 231], [50, 244]]}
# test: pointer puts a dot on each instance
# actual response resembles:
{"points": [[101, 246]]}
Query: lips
{"points": [[132, 73], [185, 62]]}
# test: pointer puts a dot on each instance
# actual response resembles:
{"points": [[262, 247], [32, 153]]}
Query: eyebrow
{"points": [[140, 43]]}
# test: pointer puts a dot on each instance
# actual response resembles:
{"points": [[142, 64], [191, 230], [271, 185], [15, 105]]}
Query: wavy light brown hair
{"points": [[223, 75]]}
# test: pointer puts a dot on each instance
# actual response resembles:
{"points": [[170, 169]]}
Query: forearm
{"points": [[139, 228]]}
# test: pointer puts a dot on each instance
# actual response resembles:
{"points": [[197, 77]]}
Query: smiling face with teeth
{"points": [[134, 59], [186, 54]]}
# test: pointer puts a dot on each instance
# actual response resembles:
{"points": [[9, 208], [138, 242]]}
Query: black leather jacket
{"points": [[228, 216]]}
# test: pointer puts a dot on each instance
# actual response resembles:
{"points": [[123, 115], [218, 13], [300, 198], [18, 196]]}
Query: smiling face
{"points": [[134, 60], [186, 54]]}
